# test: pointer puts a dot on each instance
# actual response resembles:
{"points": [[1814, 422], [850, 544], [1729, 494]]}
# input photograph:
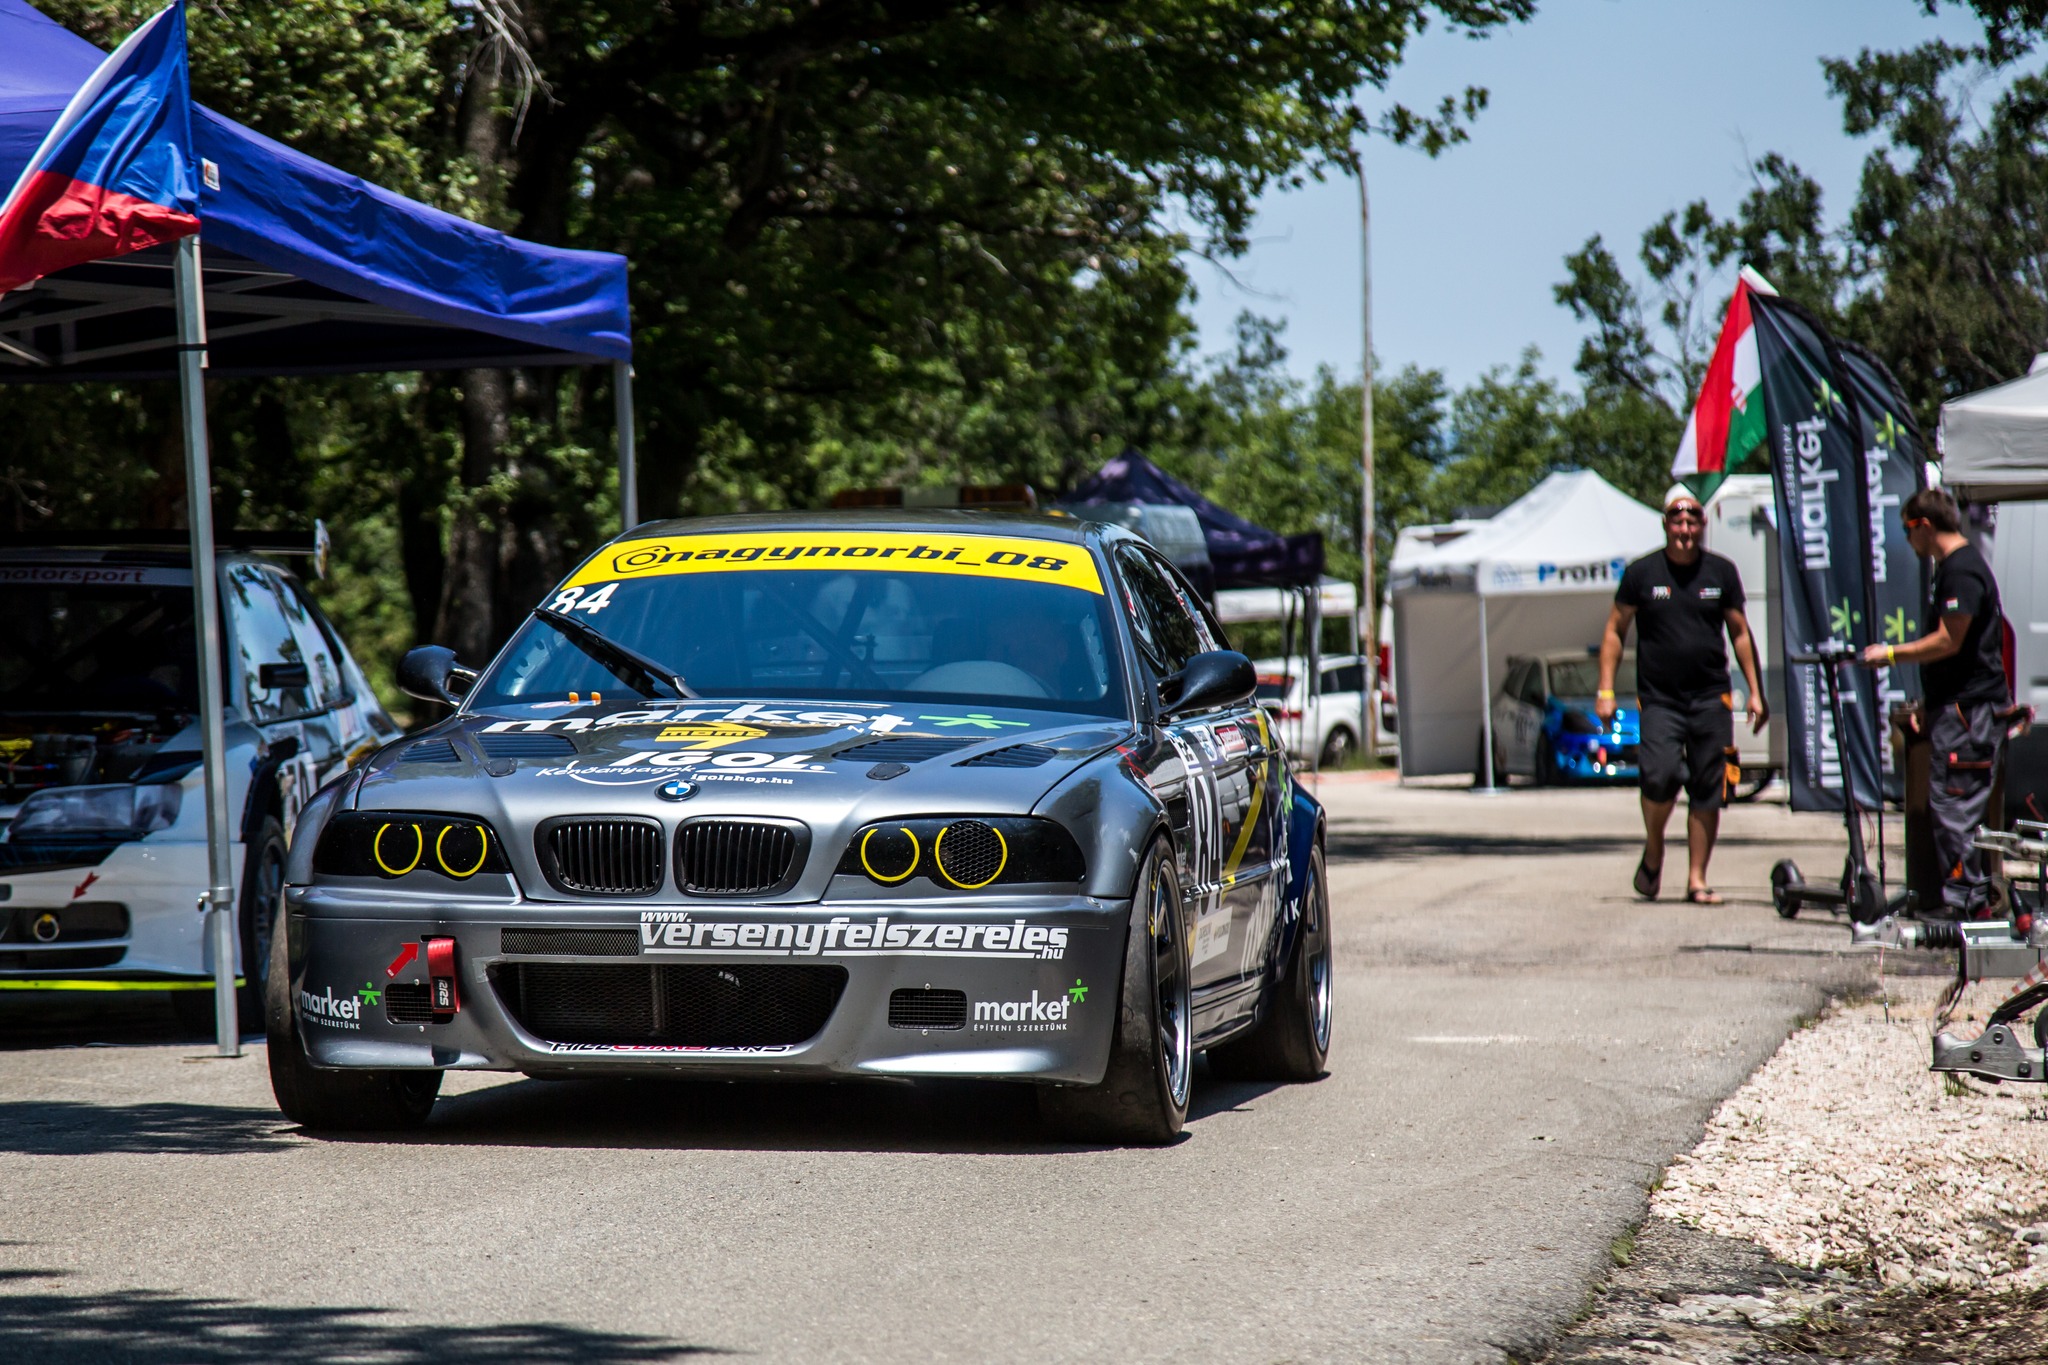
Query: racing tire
{"points": [[1143, 1095], [1784, 876], [256, 915], [1291, 1041], [1338, 747], [332, 1101]]}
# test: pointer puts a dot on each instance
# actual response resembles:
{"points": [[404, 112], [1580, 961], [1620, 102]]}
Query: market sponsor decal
{"points": [[684, 933], [757, 720], [330, 1010], [652, 765], [668, 1048], [1037, 1014], [1036, 561]]}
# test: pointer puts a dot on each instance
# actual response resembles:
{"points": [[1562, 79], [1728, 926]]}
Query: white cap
{"points": [[1680, 493]]}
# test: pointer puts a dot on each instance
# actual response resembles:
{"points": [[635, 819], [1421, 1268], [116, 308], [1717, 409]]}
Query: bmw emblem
{"points": [[676, 790]]}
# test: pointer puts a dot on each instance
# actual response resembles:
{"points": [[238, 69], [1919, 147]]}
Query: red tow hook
{"points": [[441, 974]]}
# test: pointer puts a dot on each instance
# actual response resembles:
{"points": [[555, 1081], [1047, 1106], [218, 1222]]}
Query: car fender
{"points": [[1113, 816], [1306, 831]]}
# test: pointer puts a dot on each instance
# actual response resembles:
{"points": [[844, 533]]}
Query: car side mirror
{"points": [[270, 677], [1216, 677], [431, 673]]}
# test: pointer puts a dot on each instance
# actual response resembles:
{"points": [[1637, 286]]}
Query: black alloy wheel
{"points": [[1143, 1095], [1291, 1041], [335, 1101]]}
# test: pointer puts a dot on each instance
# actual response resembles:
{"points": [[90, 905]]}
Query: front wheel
{"points": [[1292, 1041], [1143, 1096], [1784, 876], [338, 1101], [1338, 747]]}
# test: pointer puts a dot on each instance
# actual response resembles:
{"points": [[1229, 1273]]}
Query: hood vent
{"points": [[429, 751], [1016, 756], [527, 746], [902, 749]]}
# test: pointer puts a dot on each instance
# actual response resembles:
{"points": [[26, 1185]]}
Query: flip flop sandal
{"points": [[1647, 882], [1703, 895]]}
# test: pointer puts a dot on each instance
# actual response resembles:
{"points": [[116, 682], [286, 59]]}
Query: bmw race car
{"points": [[852, 795], [102, 817]]}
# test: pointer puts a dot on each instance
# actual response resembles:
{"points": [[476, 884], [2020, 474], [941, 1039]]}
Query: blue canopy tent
{"points": [[1244, 555], [306, 270]]}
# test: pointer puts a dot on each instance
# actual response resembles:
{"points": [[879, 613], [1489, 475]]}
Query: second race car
{"points": [[879, 794]]}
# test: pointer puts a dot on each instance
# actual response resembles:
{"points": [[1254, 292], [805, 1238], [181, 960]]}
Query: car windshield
{"points": [[74, 645], [967, 632], [1581, 678]]}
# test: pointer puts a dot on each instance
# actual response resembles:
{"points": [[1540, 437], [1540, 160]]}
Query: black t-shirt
{"points": [[1963, 584], [1680, 654]]}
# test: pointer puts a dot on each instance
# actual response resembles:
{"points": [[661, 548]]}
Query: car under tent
{"points": [[1538, 575], [306, 269]]}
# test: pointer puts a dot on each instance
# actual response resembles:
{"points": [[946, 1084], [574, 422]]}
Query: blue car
{"points": [[1544, 726]]}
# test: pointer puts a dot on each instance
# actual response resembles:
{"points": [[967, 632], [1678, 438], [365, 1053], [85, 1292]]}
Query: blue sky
{"points": [[1605, 114]]}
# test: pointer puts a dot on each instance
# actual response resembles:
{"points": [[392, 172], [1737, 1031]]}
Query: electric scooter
{"points": [[1861, 892]]}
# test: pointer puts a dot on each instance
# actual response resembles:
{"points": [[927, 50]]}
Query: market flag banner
{"points": [[1728, 420], [1823, 554], [1894, 469], [116, 173]]}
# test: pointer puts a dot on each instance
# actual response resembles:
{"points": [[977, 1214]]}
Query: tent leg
{"points": [[1312, 614], [1485, 773], [219, 899], [622, 416]]}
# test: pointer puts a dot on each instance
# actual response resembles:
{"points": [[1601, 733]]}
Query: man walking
{"points": [[1681, 599], [1962, 678]]}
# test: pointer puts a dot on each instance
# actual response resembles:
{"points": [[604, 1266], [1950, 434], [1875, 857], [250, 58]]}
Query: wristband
{"points": [[1891, 656], [1606, 694]]}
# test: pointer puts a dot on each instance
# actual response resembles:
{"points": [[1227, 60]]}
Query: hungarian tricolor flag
{"points": [[1728, 420], [116, 172]]}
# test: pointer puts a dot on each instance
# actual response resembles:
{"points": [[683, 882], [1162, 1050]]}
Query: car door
{"points": [[1221, 803]]}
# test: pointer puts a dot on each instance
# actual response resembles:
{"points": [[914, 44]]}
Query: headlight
{"points": [[965, 853], [393, 844], [129, 811], [1579, 723]]}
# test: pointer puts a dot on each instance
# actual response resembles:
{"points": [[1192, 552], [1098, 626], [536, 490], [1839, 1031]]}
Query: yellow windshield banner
{"points": [[974, 556]]}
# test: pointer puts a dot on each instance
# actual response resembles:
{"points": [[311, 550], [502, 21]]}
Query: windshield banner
{"points": [[1824, 551], [978, 556]]}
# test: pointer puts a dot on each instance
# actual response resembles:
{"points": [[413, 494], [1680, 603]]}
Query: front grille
{"points": [[928, 1009], [969, 852], [1016, 756], [738, 857], [407, 1002], [902, 749], [571, 942], [616, 856], [429, 751], [681, 1005], [527, 746]]}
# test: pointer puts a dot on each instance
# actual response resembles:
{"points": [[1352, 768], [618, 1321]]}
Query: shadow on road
{"points": [[1383, 844], [35, 1019], [147, 1328], [70, 1128]]}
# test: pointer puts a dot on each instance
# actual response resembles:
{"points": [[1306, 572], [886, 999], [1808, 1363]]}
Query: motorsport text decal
{"points": [[680, 932]]}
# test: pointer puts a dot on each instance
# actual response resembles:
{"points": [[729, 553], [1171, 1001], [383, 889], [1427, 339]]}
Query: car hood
{"points": [[823, 762]]}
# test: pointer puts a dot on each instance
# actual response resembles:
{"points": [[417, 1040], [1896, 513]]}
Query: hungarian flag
{"points": [[1728, 421], [116, 173]]}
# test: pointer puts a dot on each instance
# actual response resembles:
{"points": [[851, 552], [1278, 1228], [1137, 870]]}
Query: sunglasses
{"points": [[1684, 514], [1913, 523]]}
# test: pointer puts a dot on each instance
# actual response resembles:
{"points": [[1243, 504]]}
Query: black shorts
{"points": [[1686, 743]]}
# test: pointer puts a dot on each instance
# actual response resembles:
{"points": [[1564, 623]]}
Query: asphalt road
{"points": [[1521, 1046]]}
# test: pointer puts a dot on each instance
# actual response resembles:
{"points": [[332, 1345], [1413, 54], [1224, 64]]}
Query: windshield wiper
{"points": [[623, 662]]}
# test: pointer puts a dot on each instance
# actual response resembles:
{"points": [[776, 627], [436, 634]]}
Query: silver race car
{"points": [[861, 795]]}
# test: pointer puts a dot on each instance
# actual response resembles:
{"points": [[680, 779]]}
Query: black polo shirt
{"points": [[1681, 654], [1963, 585]]}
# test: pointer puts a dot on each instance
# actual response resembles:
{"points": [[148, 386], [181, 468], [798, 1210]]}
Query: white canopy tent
{"points": [[1994, 443], [1540, 575]]}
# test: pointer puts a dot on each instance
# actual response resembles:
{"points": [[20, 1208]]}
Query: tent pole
{"points": [[1485, 773], [1312, 615], [219, 899], [622, 416]]}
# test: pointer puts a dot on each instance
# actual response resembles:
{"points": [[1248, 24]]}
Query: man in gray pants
{"points": [[1962, 678]]}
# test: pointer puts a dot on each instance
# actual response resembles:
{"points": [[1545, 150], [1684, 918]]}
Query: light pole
{"points": [[1367, 603]]}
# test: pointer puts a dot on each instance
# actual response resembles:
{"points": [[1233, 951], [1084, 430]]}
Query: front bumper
{"points": [[1020, 987], [153, 884]]}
